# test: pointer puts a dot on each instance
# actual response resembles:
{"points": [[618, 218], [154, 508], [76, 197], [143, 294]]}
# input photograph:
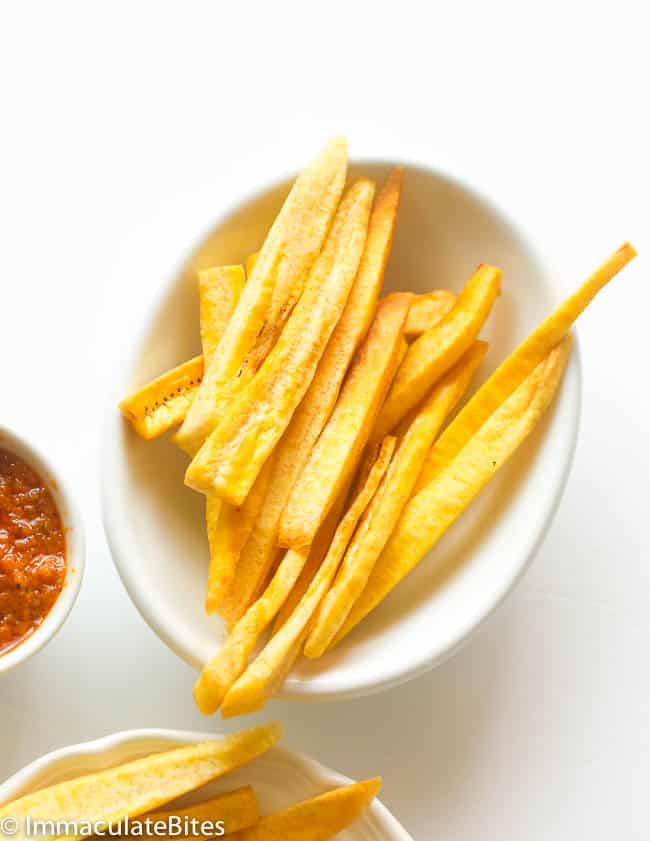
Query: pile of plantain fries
{"points": [[127, 798], [315, 421]]}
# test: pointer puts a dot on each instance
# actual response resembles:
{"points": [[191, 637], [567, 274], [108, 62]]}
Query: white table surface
{"points": [[539, 728]]}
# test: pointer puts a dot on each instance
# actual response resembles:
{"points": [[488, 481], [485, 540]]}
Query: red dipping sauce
{"points": [[32, 551]]}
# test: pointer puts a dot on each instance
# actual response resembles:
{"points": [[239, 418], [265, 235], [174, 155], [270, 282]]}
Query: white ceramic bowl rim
{"points": [[22, 781], [418, 662], [74, 544]]}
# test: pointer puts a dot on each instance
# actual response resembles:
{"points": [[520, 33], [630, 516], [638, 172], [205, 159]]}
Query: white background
{"points": [[539, 728]]}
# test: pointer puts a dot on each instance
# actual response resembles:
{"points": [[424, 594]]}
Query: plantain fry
{"points": [[293, 449], [384, 511], [236, 810], [427, 311], [141, 786], [219, 291], [314, 559], [285, 258], [219, 674], [339, 447], [267, 672], [435, 351], [521, 363], [228, 537], [318, 819], [250, 262], [232, 456], [163, 403], [432, 511]]}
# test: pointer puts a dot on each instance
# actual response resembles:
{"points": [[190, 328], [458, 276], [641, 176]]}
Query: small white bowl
{"points": [[155, 525], [280, 777], [74, 547]]}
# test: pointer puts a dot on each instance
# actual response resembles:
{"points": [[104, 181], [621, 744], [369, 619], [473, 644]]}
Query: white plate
{"points": [[280, 777], [155, 525]]}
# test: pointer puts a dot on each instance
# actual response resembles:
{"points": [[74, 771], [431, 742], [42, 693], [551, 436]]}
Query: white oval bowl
{"points": [[74, 546], [280, 777], [155, 525]]}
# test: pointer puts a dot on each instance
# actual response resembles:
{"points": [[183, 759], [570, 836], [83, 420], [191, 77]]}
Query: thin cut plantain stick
{"points": [[141, 786], [313, 563], [220, 289], [250, 262], [232, 456], [228, 536], [266, 673], [434, 352], [439, 504], [318, 819], [219, 674], [164, 403], [388, 503], [428, 310], [336, 454], [286, 257], [295, 446], [520, 363]]}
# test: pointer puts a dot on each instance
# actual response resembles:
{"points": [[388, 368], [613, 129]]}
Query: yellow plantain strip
{"points": [[236, 810], [163, 403], [219, 674], [314, 559], [427, 311], [250, 262], [287, 255], [229, 536], [293, 449], [234, 453], [219, 291], [520, 363], [435, 351], [433, 510], [318, 819], [388, 503], [267, 672], [339, 447], [141, 786]]}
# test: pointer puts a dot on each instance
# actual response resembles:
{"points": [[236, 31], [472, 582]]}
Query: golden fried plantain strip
{"points": [[287, 255], [520, 363], [267, 672], [386, 507], [435, 351], [339, 447], [433, 510], [428, 310], [228, 536], [219, 674], [318, 819], [144, 785], [232, 456], [219, 291], [250, 262], [236, 809], [295, 446], [315, 559], [163, 402]]}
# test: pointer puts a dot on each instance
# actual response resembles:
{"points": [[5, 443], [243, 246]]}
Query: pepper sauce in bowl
{"points": [[32, 551]]}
